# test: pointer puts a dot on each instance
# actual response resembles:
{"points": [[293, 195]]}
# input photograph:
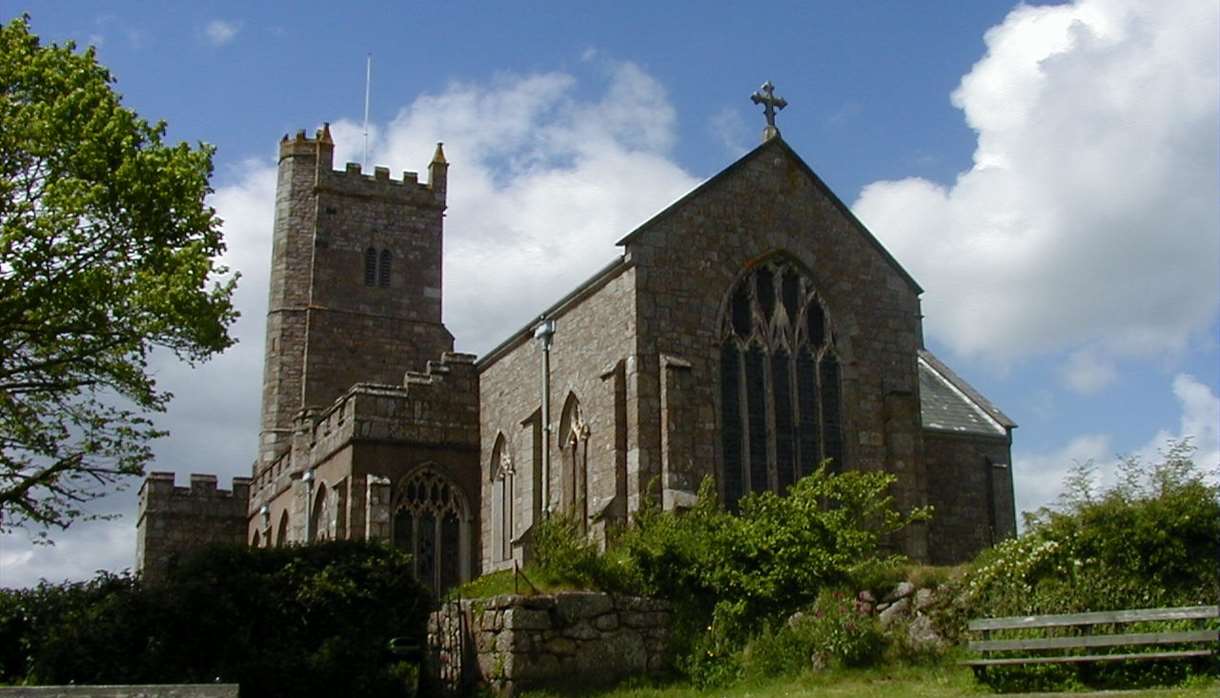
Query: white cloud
{"points": [[1087, 373], [97, 545], [219, 32], [1089, 216], [541, 184], [729, 128], [1039, 476]]}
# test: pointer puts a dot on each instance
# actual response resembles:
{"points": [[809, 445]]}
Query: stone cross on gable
{"points": [[766, 97]]}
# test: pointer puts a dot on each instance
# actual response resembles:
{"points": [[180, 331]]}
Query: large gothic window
{"points": [[779, 382], [429, 517], [502, 475]]}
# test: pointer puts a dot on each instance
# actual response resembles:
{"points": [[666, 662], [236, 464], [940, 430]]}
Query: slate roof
{"points": [[949, 404]]}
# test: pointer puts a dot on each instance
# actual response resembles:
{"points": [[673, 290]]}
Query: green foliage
{"points": [[1148, 541], [565, 555], [832, 633], [728, 575], [296, 621], [107, 251]]}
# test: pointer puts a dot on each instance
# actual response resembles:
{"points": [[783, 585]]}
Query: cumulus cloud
{"points": [[219, 32], [97, 545], [1086, 373], [541, 184], [1089, 216], [1040, 476]]}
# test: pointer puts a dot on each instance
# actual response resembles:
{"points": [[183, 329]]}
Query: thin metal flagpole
{"points": [[368, 81]]}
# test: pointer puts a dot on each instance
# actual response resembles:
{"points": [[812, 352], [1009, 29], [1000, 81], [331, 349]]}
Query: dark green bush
{"points": [[1148, 541], [295, 621]]}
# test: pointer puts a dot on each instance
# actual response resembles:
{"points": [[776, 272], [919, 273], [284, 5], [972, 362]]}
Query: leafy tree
{"points": [[107, 251]]}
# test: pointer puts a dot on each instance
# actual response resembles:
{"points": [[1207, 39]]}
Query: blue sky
{"points": [[1048, 173]]}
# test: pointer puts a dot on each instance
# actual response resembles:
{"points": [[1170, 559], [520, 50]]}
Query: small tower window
{"points": [[370, 267], [383, 270]]}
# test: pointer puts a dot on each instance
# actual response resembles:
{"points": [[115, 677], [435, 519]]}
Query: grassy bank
{"points": [[891, 682]]}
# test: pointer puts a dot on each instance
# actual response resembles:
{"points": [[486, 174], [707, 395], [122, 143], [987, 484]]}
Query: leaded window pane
{"points": [[450, 551], [766, 292], [741, 311], [370, 267], [807, 391], [756, 418], [780, 399], [383, 269], [830, 412], [730, 427], [425, 554], [784, 447]]}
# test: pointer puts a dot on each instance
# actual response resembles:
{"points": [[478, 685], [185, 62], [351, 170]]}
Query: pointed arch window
{"points": [[780, 393], [370, 267], [502, 491], [281, 536], [322, 516], [430, 523], [574, 450], [383, 269]]}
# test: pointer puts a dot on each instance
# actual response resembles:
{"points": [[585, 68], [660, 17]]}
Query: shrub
{"points": [[296, 621], [565, 555], [729, 575], [1149, 540]]}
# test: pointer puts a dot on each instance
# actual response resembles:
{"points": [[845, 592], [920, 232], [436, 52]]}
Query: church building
{"points": [[749, 331]]}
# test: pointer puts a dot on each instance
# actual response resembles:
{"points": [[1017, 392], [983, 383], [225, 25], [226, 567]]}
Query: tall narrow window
{"points": [[502, 490], [383, 269], [574, 450], [370, 267], [281, 536], [780, 394]]}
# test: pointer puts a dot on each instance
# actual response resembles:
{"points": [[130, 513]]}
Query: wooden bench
{"points": [[1069, 638]]}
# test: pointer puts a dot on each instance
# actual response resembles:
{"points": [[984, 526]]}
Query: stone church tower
{"points": [[355, 282], [748, 332]]}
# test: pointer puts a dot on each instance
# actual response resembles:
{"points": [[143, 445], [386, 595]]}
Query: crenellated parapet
{"points": [[353, 181], [438, 406], [174, 520]]}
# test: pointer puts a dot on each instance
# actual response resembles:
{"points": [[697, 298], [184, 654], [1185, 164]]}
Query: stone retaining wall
{"points": [[199, 690], [511, 642]]}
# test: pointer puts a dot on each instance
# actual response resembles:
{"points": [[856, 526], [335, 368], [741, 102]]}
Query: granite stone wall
{"points": [[327, 327], [175, 520], [592, 346], [970, 488], [687, 259], [204, 690], [510, 643]]}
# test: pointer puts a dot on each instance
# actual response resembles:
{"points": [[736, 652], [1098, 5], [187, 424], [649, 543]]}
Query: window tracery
{"points": [[429, 516], [780, 394]]}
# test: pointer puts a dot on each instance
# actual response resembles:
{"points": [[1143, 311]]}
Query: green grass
{"points": [[889, 682], [533, 581]]}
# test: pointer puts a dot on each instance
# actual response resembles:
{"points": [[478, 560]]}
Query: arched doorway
{"points": [[432, 524]]}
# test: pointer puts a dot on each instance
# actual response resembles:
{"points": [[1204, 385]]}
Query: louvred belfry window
{"points": [[780, 393]]}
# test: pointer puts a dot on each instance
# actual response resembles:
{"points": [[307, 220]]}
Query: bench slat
{"points": [[1054, 643], [1089, 658], [1066, 619]]}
